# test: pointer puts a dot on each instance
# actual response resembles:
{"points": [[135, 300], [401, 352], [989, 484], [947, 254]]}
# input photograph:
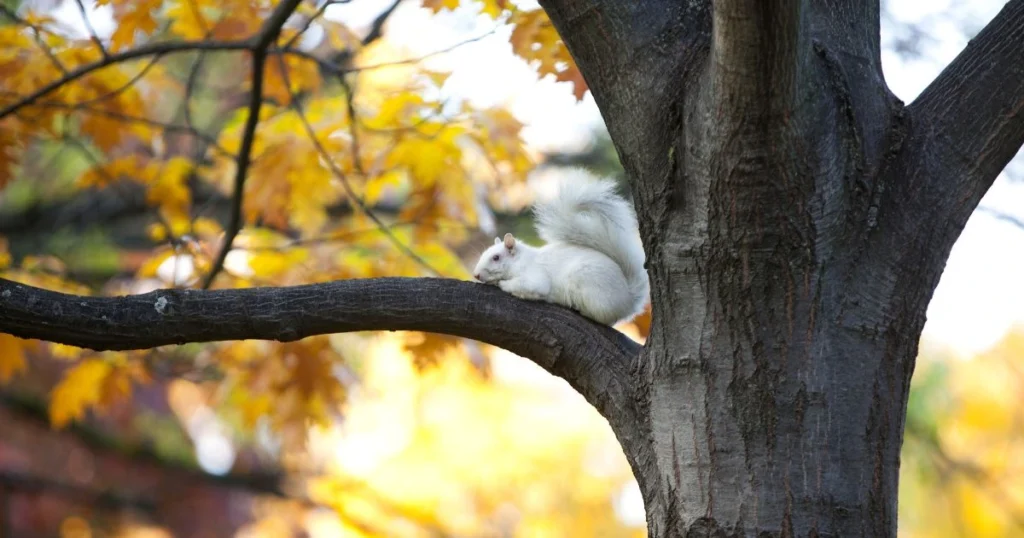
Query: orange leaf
{"points": [[12, 357]]}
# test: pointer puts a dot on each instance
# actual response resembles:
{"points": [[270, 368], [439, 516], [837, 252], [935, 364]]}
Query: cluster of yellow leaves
{"points": [[132, 19], [964, 478], [536, 41], [287, 185], [165, 181], [492, 8], [297, 389], [102, 103], [12, 356], [94, 383]]}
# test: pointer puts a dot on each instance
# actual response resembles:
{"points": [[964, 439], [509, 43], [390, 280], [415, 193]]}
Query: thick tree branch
{"points": [[267, 34], [635, 57], [969, 122], [594, 359], [756, 56]]}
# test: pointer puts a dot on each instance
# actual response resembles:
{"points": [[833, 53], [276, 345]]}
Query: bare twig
{"points": [[138, 52], [268, 33], [376, 29], [92, 31], [306, 25], [76, 107], [124, 87], [421, 58]]}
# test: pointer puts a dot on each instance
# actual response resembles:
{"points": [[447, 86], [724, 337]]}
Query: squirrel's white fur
{"points": [[592, 262]]}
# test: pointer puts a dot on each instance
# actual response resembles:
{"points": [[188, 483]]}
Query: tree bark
{"points": [[796, 218]]}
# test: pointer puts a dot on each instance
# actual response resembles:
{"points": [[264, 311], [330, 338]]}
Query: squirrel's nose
{"points": [[476, 276]]}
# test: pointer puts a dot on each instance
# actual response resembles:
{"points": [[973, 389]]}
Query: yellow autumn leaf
{"points": [[285, 75], [396, 111], [81, 388], [438, 5], [95, 383], [168, 188], [132, 18], [494, 8], [149, 267], [383, 184], [66, 352], [535, 39], [5, 255], [189, 18], [12, 357], [427, 159], [266, 263]]}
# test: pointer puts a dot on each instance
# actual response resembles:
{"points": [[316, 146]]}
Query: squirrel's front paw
{"points": [[511, 287]]}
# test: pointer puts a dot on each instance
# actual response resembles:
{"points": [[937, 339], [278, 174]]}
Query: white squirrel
{"points": [[592, 262]]}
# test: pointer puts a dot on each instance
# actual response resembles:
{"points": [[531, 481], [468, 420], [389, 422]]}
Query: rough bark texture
{"points": [[796, 217]]}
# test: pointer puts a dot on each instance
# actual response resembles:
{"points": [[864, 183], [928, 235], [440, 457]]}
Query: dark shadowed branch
{"points": [[377, 28], [594, 359], [635, 58], [268, 33], [92, 31], [970, 119]]}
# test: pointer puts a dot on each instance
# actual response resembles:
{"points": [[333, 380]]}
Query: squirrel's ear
{"points": [[497, 240], [510, 242]]}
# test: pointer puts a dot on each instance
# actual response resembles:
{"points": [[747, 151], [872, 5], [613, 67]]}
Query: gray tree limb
{"points": [[969, 122]]}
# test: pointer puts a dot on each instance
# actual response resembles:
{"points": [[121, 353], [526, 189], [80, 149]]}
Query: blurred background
{"points": [[403, 138]]}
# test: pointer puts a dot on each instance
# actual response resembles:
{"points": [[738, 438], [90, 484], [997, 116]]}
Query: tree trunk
{"points": [[796, 224]]}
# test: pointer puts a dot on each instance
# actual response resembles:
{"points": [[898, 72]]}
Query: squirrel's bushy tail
{"points": [[586, 211]]}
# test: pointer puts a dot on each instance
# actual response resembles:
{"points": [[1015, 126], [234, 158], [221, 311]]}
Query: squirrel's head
{"points": [[496, 261]]}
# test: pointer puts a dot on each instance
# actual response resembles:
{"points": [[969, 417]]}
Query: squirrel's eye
{"points": [[496, 257]]}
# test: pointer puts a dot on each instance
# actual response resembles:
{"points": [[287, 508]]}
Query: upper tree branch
{"points": [[634, 57], [261, 43], [594, 359], [969, 122], [756, 57], [377, 28], [154, 49]]}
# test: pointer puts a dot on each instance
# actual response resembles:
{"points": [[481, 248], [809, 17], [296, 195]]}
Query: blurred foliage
{"points": [[962, 473]]}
